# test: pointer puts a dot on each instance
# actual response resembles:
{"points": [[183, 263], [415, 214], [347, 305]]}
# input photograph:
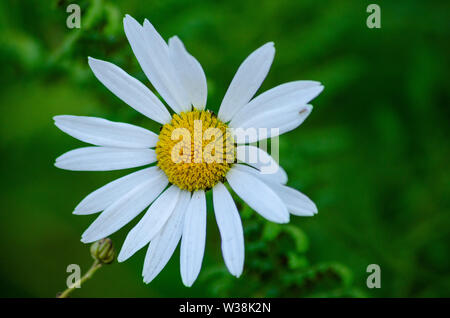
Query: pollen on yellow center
{"points": [[195, 150]]}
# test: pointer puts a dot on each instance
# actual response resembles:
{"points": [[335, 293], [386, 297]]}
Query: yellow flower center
{"points": [[195, 150]]}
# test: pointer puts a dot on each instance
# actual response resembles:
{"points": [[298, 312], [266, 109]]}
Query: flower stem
{"points": [[95, 266]]}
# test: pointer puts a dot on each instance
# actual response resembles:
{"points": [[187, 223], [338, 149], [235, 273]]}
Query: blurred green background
{"points": [[373, 155]]}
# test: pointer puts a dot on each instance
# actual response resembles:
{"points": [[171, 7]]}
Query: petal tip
{"points": [[58, 117], [284, 220], [238, 273], [121, 258], [128, 17], [187, 284]]}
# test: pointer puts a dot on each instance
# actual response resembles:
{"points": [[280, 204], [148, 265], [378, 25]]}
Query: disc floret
{"points": [[195, 150]]}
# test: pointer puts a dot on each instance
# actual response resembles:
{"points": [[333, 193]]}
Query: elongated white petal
{"points": [[193, 239], [151, 223], [258, 174], [258, 195], [125, 209], [163, 245], [153, 55], [271, 123], [274, 118], [190, 73], [230, 227], [261, 160], [102, 132], [296, 202], [130, 90], [103, 197], [247, 80], [293, 93], [167, 77], [104, 158]]}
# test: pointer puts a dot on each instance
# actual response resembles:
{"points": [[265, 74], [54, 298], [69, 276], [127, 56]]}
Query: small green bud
{"points": [[103, 251]]}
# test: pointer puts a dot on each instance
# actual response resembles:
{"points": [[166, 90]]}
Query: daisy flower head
{"points": [[195, 151]]}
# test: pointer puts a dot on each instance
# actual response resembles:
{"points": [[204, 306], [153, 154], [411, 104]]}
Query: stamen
{"points": [[195, 150]]}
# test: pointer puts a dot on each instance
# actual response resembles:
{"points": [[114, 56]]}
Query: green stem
{"points": [[95, 266]]}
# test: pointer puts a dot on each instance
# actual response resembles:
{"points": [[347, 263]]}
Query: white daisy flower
{"points": [[174, 192]]}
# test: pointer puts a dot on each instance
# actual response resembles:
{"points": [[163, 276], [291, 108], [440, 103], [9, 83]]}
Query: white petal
{"points": [[273, 123], [130, 90], [296, 202], [193, 239], [247, 80], [293, 93], [264, 177], [103, 197], [153, 55], [125, 209], [163, 245], [190, 73], [151, 223], [164, 72], [261, 160], [104, 158], [230, 227], [102, 132], [258, 195]]}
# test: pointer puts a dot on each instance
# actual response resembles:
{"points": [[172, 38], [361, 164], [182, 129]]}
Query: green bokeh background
{"points": [[373, 154]]}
